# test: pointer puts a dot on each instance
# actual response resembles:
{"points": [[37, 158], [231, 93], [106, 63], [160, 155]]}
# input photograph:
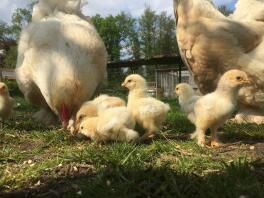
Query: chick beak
{"points": [[123, 84], [248, 81]]}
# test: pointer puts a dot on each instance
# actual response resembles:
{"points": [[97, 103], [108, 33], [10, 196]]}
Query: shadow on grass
{"points": [[245, 133], [236, 179]]}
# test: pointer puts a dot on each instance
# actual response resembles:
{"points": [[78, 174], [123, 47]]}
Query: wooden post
{"points": [[156, 83], [180, 73], [1, 74]]}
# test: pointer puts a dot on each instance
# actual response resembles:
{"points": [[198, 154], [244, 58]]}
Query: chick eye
{"points": [[81, 117], [177, 89], [82, 127], [129, 81], [238, 77]]}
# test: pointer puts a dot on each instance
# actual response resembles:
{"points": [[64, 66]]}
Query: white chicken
{"points": [[61, 60], [112, 124], [6, 103], [45, 8], [187, 99], [212, 110], [211, 43], [148, 112]]}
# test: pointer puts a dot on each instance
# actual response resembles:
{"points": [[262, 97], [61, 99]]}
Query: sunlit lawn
{"points": [[39, 161]]}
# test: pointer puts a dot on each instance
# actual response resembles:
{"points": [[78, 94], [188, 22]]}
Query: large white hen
{"points": [[148, 112], [212, 110], [61, 60], [211, 43]]}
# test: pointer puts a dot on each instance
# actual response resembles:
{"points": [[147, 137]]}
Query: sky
{"points": [[107, 7]]}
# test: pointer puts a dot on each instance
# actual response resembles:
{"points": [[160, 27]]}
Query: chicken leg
{"points": [[214, 140]]}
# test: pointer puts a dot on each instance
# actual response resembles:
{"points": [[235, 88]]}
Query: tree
{"points": [[110, 33], [147, 29], [166, 39], [157, 34], [4, 31], [10, 58], [129, 36], [20, 18]]}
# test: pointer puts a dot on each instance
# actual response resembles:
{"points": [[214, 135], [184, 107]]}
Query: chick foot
{"points": [[215, 143], [193, 135], [146, 137], [201, 143]]}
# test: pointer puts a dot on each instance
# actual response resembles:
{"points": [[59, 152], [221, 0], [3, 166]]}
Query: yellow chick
{"points": [[112, 124], [104, 102], [87, 110], [92, 109], [187, 99], [147, 111], [212, 110], [6, 103]]}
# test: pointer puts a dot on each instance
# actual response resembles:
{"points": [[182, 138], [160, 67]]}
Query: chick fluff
{"points": [[115, 123], [6, 103], [104, 101], [92, 108], [147, 111], [212, 110], [187, 99]]}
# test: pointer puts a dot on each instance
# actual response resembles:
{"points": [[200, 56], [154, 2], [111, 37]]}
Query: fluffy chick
{"points": [[113, 124], [6, 103], [87, 110], [104, 102], [187, 99], [147, 111], [212, 110], [93, 108]]}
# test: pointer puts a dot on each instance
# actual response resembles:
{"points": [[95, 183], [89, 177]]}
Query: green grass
{"points": [[45, 162]]}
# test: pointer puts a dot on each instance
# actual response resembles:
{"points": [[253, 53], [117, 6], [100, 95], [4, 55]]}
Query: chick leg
{"points": [[128, 134], [200, 133], [71, 127], [193, 135], [214, 140], [152, 129]]}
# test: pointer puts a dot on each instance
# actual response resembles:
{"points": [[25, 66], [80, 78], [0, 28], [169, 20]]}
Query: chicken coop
{"points": [[167, 79]]}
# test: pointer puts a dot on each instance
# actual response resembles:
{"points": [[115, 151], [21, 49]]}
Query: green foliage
{"points": [[13, 88], [10, 58], [110, 33], [129, 35], [166, 41], [148, 27], [157, 33], [4, 31], [133, 38], [119, 34], [20, 19]]}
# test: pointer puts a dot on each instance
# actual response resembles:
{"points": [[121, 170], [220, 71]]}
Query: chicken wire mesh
{"points": [[167, 79]]}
